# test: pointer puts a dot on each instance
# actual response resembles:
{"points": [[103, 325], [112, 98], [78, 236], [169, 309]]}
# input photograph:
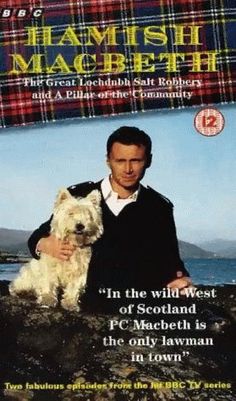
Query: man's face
{"points": [[128, 164]]}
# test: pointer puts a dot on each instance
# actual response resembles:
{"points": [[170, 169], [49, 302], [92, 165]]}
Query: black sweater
{"points": [[139, 247]]}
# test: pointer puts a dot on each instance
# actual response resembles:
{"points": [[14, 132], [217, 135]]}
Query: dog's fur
{"points": [[78, 220]]}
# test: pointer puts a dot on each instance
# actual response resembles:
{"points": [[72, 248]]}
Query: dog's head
{"points": [[78, 219]]}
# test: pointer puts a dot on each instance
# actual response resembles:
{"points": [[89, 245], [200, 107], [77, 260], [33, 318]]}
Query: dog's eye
{"points": [[70, 214]]}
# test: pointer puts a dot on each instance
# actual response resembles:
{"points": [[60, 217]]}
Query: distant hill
{"points": [[15, 241], [225, 248], [191, 251]]}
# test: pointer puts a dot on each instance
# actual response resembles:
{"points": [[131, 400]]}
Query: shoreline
{"points": [[22, 259]]}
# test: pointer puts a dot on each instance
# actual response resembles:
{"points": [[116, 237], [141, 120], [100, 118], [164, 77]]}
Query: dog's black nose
{"points": [[79, 227]]}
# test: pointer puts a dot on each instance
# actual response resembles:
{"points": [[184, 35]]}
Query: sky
{"points": [[197, 173]]}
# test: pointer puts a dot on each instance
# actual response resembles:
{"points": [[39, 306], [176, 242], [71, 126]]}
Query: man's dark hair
{"points": [[130, 136]]}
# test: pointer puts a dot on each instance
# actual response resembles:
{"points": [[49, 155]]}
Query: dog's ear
{"points": [[94, 197], [62, 195]]}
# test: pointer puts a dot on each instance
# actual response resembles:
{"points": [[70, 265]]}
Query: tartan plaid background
{"points": [[17, 107]]}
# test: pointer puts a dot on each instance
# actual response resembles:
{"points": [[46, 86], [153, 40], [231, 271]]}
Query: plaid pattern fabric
{"points": [[101, 93]]}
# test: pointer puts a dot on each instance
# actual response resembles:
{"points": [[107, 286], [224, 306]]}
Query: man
{"points": [[139, 246]]}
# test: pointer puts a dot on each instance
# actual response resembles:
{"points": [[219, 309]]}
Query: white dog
{"points": [[78, 220]]}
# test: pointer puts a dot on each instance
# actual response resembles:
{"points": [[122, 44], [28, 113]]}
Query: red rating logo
{"points": [[209, 121]]}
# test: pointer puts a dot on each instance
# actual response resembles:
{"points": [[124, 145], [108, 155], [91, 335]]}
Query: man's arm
{"points": [[42, 232], [42, 241], [179, 276]]}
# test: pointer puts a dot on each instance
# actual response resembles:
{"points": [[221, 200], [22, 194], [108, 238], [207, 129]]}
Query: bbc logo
{"points": [[20, 12]]}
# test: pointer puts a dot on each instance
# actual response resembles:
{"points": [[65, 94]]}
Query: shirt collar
{"points": [[107, 190]]}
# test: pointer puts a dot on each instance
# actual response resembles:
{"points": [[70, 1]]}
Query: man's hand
{"points": [[55, 247], [181, 282]]}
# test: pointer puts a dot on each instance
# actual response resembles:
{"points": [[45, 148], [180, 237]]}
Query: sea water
{"points": [[202, 271]]}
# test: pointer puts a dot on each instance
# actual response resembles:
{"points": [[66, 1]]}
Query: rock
{"points": [[55, 355]]}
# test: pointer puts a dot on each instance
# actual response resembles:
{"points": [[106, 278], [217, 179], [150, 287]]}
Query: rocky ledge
{"points": [[55, 355]]}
